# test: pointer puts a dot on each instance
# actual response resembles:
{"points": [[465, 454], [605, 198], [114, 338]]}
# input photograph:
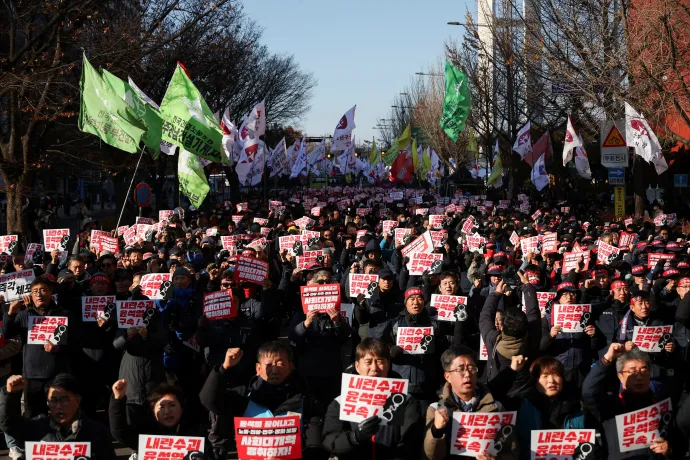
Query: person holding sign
{"points": [[421, 369], [370, 438], [168, 416], [275, 390], [575, 350], [461, 393], [633, 369], [385, 303], [66, 422], [609, 321], [41, 361]]}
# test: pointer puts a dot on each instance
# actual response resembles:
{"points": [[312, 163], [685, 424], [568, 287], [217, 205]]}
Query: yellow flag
{"points": [[374, 154], [415, 160], [472, 146], [497, 171], [426, 162], [400, 143]]}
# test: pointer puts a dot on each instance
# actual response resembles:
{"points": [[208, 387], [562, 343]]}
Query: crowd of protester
{"points": [[103, 383]]}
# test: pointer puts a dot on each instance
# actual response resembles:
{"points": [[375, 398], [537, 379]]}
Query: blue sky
{"points": [[361, 52]]}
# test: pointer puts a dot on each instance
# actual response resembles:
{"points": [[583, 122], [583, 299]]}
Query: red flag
{"points": [[541, 147], [402, 169]]}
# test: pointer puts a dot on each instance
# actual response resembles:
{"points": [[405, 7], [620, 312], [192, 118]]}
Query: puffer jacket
{"points": [[318, 347], [380, 308]]}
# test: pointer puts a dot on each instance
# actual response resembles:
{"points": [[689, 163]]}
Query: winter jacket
{"points": [[437, 443], [377, 310], [42, 428], [318, 347], [38, 363], [573, 349], [391, 442]]}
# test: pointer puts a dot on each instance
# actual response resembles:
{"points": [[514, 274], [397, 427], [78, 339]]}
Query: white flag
{"points": [[316, 158], [540, 178], [230, 138], [254, 124], [279, 160], [523, 143], [571, 142], [342, 136], [660, 164], [639, 135], [433, 172], [301, 161], [249, 155], [256, 171]]}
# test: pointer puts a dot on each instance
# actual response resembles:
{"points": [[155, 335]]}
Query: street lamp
{"points": [[429, 74]]}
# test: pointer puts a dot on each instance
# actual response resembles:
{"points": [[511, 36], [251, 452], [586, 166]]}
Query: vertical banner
{"points": [[619, 201]]}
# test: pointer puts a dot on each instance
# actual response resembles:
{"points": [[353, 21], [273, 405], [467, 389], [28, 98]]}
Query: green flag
{"points": [[415, 158], [187, 120], [426, 163], [147, 113], [105, 115], [193, 183], [400, 143], [456, 103], [374, 154]]}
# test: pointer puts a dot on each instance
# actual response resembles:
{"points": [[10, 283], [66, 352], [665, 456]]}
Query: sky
{"points": [[362, 52]]}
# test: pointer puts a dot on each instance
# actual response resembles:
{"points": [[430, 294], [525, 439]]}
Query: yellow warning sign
{"points": [[614, 138]]}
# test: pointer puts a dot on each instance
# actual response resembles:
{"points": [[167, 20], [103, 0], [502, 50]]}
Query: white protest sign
{"points": [[362, 397], [562, 444], [449, 307], [151, 284], [637, 429], [14, 285], [154, 447], [422, 243], [45, 450], [55, 238], [475, 433], [571, 318], [421, 262], [652, 339], [44, 328], [134, 313], [361, 283], [415, 340], [94, 306]]}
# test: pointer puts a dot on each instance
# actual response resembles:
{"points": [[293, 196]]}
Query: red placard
{"points": [[626, 239], [320, 297], [250, 270], [652, 259], [220, 305], [259, 438]]}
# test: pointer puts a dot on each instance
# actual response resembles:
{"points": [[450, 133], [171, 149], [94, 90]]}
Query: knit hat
{"points": [[413, 291], [181, 271]]}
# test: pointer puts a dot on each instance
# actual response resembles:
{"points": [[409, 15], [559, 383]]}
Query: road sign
{"points": [[142, 194], [619, 201], [614, 152], [616, 176], [680, 180]]}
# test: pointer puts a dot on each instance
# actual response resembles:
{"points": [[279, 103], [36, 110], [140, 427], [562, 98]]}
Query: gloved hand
{"points": [[367, 428]]}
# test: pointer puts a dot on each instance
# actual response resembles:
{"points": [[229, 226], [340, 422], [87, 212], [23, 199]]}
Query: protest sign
{"points": [[101, 241], [220, 305], [543, 299], [530, 244], [320, 297], [130, 235], [422, 244], [265, 231], [436, 221], [479, 433], [229, 242], [94, 306], [165, 215], [154, 447], [8, 243], [134, 313], [475, 242], [144, 232], [389, 225], [421, 211], [626, 239], [571, 318], [55, 238], [153, 283], [242, 207], [565, 209], [571, 259], [606, 253], [143, 220], [415, 340], [468, 225], [212, 231], [237, 218], [44, 328], [652, 259], [449, 307], [514, 239], [400, 235], [34, 254], [310, 258], [363, 397], [361, 283], [627, 222], [637, 429], [46, 450], [536, 215], [421, 263], [261, 221], [258, 244], [305, 222], [250, 270], [259, 438], [652, 339], [439, 238], [562, 444], [483, 352], [397, 196], [549, 243], [358, 239], [363, 211], [288, 243], [14, 285]]}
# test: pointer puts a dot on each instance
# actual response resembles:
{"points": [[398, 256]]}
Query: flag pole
{"points": [[129, 190]]}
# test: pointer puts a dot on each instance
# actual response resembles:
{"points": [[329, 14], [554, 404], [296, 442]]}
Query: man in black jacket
{"points": [[275, 390], [65, 422], [370, 439]]}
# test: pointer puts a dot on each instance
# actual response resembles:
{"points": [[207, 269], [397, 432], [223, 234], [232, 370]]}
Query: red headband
{"points": [[618, 284], [413, 291]]}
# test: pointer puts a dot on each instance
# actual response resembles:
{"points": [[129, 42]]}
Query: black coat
{"points": [[319, 347], [42, 428]]}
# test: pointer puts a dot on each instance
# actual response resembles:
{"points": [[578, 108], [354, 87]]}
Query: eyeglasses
{"points": [[323, 281], [61, 401], [643, 370], [470, 369], [40, 291]]}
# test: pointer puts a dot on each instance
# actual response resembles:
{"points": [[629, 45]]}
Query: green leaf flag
{"points": [[105, 115], [398, 144], [145, 112], [187, 120], [374, 153], [193, 183], [456, 103]]}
